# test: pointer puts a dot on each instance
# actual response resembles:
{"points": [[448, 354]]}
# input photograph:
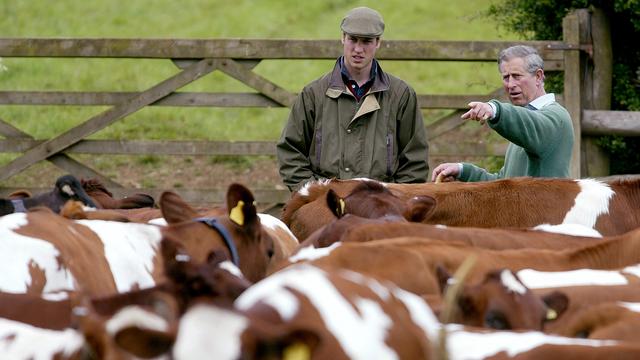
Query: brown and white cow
{"points": [[307, 313], [517, 202], [410, 262], [351, 228], [116, 326], [47, 254]]}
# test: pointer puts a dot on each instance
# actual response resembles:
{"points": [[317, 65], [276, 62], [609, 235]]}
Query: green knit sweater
{"points": [[541, 142]]}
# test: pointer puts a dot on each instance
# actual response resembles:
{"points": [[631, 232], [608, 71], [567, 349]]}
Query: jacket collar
{"points": [[337, 86]]}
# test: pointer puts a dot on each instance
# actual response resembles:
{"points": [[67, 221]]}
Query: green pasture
{"points": [[286, 19]]}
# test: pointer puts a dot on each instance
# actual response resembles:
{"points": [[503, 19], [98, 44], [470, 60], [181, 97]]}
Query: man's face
{"points": [[521, 86], [359, 52]]}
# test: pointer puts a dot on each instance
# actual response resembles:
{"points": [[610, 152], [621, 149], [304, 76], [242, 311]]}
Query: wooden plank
{"points": [[202, 99], [572, 87], [192, 196], [600, 122], [187, 99], [453, 121], [106, 118], [62, 161], [193, 148], [263, 49], [264, 86]]}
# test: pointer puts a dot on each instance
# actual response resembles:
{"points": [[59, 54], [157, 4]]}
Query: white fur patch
{"points": [[591, 202], [274, 223], [231, 268], [534, 279], [135, 316], [209, 332], [470, 345], [22, 341], [633, 306], [304, 190], [311, 253], [158, 221], [569, 229], [130, 250], [632, 270], [19, 253], [511, 282]]}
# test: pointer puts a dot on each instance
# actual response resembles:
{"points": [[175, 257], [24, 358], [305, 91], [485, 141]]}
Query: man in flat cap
{"points": [[356, 121]]}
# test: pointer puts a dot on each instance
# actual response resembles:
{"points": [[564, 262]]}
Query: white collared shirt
{"points": [[537, 103]]}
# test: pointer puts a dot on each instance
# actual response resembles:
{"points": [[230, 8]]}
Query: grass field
{"points": [[414, 19]]}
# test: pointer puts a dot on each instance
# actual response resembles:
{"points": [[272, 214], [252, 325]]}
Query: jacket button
{"points": [[347, 169], [348, 131]]}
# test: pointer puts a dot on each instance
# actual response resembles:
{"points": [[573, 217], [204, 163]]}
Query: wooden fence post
{"points": [[573, 84], [598, 84]]}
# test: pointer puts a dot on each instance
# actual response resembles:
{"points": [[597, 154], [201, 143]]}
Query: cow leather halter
{"points": [[214, 224]]}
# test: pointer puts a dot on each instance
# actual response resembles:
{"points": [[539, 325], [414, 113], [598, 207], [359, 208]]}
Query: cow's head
{"points": [[501, 301], [371, 199], [239, 232]]}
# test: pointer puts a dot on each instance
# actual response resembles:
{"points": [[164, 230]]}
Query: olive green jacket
{"points": [[331, 135], [541, 142]]}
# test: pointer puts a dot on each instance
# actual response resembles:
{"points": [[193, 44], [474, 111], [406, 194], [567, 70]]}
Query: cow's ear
{"points": [[557, 303], [420, 208], [335, 203], [174, 209], [443, 277], [241, 207]]}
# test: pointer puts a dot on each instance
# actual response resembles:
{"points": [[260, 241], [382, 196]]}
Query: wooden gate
{"points": [[237, 58]]}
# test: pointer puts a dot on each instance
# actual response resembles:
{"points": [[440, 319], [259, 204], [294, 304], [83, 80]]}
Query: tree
{"points": [[542, 20]]}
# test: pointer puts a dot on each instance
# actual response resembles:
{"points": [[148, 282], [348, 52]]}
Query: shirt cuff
{"points": [[460, 167], [495, 110]]}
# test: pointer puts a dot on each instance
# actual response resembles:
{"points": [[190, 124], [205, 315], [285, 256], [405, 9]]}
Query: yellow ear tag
{"points": [[236, 215], [551, 314], [342, 206], [297, 351]]}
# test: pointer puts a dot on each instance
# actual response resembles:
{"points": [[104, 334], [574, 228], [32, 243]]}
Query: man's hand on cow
{"points": [[479, 111], [446, 172]]}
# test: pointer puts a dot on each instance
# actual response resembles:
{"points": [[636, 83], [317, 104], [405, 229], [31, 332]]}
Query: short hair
{"points": [[532, 59]]}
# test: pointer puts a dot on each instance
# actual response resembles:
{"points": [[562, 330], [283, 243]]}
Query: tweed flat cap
{"points": [[364, 22]]}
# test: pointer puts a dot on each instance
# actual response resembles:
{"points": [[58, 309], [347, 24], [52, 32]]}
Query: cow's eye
{"points": [[496, 320]]}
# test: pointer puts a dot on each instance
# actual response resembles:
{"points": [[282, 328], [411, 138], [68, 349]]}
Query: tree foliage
{"points": [[542, 20]]}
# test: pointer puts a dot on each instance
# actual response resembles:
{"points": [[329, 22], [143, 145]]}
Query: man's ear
{"points": [[539, 76]]}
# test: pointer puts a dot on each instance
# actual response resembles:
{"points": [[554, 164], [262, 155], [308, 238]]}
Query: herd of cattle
{"points": [[520, 268]]}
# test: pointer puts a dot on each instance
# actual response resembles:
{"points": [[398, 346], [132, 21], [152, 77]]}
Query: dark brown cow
{"points": [[317, 204], [66, 188], [516, 202], [104, 199]]}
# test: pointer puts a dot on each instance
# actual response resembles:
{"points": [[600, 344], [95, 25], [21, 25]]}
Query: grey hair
{"points": [[532, 59]]}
